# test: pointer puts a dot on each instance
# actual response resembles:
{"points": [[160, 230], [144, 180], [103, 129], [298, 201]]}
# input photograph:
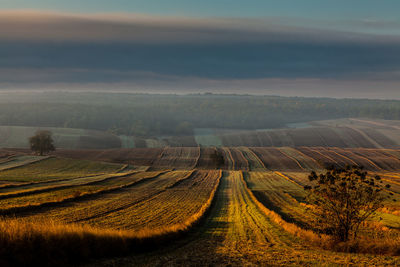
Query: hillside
{"points": [[344, 133], [184, 205]]}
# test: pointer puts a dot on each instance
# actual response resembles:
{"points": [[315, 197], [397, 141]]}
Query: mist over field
{"points": [[199, 133]]}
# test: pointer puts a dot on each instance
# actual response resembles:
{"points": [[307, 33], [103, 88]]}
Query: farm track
{"points": [[238, 233]]}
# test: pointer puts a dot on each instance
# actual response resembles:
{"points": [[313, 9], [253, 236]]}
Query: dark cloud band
{"points": [[61, 48]]}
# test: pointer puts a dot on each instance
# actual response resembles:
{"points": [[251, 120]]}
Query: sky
{"points": [[341, 48]]}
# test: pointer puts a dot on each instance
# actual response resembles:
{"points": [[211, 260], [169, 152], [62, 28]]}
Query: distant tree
{"points": [[342, 199], [42, 142]]}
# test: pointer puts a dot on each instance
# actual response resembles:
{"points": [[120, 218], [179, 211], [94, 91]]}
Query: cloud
{"points": [[52, 49], [39, 26]]}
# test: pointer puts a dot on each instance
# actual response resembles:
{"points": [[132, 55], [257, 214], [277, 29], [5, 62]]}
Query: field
{"points": [[343, 133], [220, 206]]}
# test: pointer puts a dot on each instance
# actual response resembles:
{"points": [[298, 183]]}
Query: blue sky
{"points": [[337, 48]]}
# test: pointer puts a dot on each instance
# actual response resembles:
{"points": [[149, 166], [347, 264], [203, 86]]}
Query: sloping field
{"points": [[136, 156], [179, 157], [365, 133], [152, 183], [240, 233], [274, 159], [167, 208], [255, 163], [17, 137], [343, 133], [207, 159], [240, 161], [18, 161], [287, 200], [152, 207], [181, 141], [246, 158], [56, 168], [256, 217]]}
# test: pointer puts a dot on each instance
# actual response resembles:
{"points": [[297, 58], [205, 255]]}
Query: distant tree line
{"points": [[155, 115]]}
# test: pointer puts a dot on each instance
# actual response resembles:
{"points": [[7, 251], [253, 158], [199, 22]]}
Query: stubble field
{"points": [[185, 206]]}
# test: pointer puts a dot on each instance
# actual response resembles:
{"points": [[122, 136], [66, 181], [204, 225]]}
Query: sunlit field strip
{"points": [[57, 168], [279, 194], [387, 241], [170, 207], [69, 193], [80, 242], [20, 161], [59, 185], [154, 182]]}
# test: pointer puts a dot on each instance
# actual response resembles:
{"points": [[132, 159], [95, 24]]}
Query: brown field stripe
{"points": [[290, 157], [306, 156], [159, 157], [377, 123], [233, 160], [229, 157], [257, 158], [88, 195], [342, 156], [197, 158], [323, 155], [388, 154], [321, 137], [247, 154], [244, 158], [372, 141], [238, 152], [367, 159]]}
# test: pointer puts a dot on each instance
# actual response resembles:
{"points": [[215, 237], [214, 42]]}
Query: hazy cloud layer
{"points": [[51, 49]]}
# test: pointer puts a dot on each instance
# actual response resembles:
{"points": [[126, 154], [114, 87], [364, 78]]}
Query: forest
{"points": [[149, 115]]}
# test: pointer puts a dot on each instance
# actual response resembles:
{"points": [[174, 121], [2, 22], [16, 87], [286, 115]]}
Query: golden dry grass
{"points": [[384, 245], [47, 242]]}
